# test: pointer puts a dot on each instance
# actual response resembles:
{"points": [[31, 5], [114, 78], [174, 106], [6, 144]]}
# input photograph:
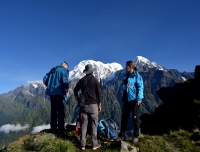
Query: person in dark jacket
{"points": [[57, 85], [92, 105], [132, 87]]}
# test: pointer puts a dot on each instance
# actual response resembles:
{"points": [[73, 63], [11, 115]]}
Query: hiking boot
{"points": [[122, 136], [98, 146], [53, 131], [61, 131], [135, 140]]}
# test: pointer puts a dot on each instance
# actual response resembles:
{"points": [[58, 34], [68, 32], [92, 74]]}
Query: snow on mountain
{"points": [[103, 70], [184, 79], [36, 84], [143, 64], [115, 76], [140, 59]]}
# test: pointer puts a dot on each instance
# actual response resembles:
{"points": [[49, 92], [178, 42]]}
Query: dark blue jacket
{"points": [[57, 81], [135, 91]]}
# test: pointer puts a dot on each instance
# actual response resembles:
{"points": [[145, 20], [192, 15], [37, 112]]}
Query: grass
{"points": [[176, 141], [50, 145]]}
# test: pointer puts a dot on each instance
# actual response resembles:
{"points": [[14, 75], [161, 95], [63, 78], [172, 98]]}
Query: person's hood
{"points": [[58, 67], [55, 68]]}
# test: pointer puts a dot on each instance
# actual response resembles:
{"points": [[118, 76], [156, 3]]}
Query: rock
{"points": [[126, 147], [171, 115]]}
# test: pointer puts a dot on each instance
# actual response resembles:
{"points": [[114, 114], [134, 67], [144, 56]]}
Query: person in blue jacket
{"points": [[132, 87], [57, 85]]}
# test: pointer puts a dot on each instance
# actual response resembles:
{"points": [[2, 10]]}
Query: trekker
{"points": [[92, 105], [57, 88], [132, 86]]}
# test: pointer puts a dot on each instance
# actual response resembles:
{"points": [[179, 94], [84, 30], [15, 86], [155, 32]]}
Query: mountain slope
{"points": [[145, 65]]}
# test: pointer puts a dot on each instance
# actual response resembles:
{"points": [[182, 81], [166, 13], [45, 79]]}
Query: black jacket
{"points": [[93, 93]]}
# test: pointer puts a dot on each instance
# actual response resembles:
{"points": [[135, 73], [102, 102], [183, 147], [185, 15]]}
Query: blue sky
{"points": [[36, 35]]}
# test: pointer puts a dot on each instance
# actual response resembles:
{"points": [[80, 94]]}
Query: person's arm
{"points": [[76, 89], [46, 79], [65, 81], [122, 86], [140, 89], [99, 107], [98, 92]]}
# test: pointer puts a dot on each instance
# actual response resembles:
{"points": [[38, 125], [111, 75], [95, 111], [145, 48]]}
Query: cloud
{"points": [[14, 128], [44, 126], [34, 81], [40, 128]]}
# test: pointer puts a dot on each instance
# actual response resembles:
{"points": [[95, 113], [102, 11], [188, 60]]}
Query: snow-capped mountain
{"points": [[32, 88], [103, 70], [144, 64], [36, 84], [109, 72]]}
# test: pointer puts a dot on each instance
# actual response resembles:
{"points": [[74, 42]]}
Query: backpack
{"points": [[107, 128]]}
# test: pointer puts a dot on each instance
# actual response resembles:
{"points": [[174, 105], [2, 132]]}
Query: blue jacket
{"points": [[57, 81], [135, 91]]}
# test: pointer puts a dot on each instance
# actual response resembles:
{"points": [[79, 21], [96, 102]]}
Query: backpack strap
{"points": [[136, 84], [87, 86], [107, 130], [100, 126]]}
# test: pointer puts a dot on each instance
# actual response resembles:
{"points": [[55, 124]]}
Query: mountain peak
{"points": [[144, 64], [36, 83], [103, 70], [140, 59]]}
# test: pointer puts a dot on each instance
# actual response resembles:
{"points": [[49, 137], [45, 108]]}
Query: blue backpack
{"points": [[108, 128]]}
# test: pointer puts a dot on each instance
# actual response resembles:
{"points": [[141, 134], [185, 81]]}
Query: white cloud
{"points": [[14, 128], [34, 81], [44, 126], [40, 128]]}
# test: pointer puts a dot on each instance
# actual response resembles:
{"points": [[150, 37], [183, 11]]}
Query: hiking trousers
{"points": [[89, 114], [58, 108], [127, 108]]}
